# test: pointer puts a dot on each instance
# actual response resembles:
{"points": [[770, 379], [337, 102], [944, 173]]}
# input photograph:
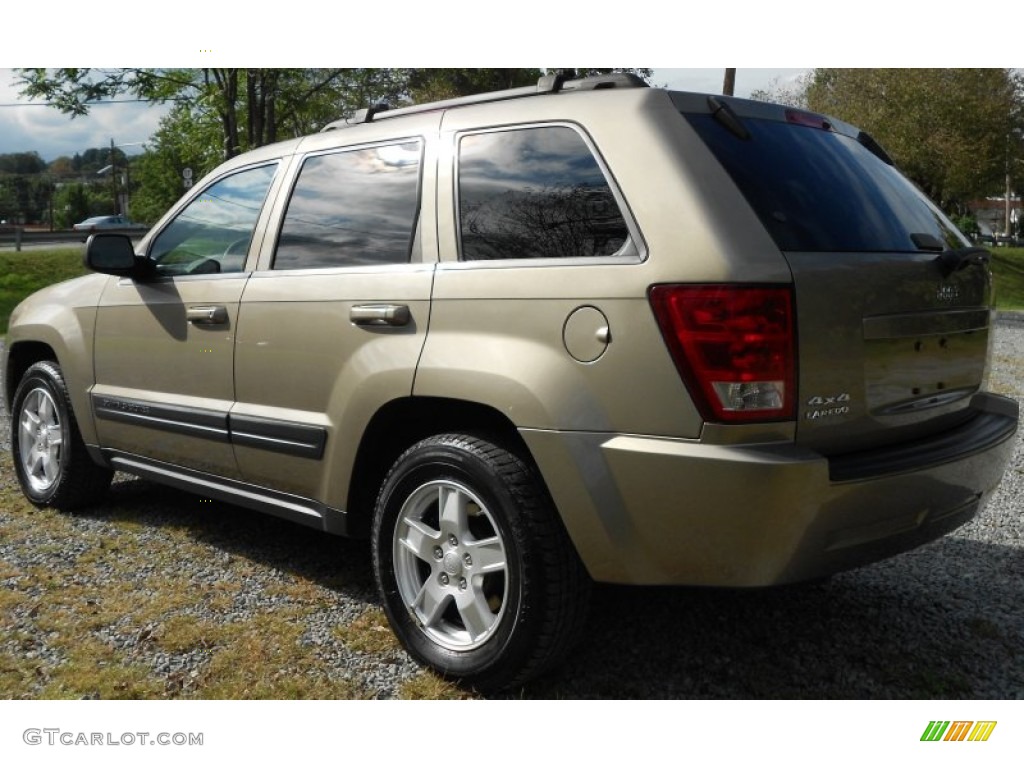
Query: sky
{"points": [[30, 126], [688, 45]]}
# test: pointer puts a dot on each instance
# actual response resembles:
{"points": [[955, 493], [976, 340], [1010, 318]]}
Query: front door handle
{"points": [[380, 314], [206, 315]]}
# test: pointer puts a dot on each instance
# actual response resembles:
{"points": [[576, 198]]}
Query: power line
{"points": [[88, 103]]}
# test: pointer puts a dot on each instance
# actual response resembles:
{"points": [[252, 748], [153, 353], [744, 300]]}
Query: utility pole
{"points": [[729, 84], [1006, 224], [113, 177]]}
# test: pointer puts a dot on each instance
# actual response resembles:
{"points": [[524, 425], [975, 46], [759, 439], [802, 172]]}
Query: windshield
{"points": [[818, 190]]}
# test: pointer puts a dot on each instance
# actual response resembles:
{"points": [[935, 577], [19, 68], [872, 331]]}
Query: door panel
{"points": [[333, 322], [159, 373], [164, 350], [305, 364]]}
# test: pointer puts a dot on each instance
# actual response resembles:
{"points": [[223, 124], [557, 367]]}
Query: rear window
{"points": [[818, 190]]}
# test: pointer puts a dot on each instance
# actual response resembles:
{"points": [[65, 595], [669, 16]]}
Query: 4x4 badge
{"points": [[825, 406], [948, 292]]}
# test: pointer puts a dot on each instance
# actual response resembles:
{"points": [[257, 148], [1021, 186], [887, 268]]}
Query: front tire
{"points": [[478, 577], [50, 459]]}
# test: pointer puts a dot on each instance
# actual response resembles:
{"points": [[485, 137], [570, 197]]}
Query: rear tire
{"points": [[477, 575], [50, 458]]}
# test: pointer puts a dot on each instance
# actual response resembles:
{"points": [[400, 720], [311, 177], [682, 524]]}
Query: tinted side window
{"points": [[351, 208], [212, 233], [535, 193]]}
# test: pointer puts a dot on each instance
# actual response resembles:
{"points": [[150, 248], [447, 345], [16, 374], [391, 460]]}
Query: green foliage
{"points": [[219, 113], [572, 74], [967, 224], [425, 85], [792, 94], [186, 138], [25, 272], [62, 167], [25, 198], [75, 201], [950, 130], [252, 107], [22, 162], [1008, 271], [8, 204]]}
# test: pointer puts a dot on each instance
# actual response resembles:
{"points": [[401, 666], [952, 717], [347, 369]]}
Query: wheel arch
{"points": [[401, 423], [21, 356]]}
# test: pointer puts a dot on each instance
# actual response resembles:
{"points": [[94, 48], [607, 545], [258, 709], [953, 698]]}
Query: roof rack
{"points": [[546, 84]]}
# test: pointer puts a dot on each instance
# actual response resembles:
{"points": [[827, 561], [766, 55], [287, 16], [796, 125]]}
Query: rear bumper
{"points": [[644, 510]]}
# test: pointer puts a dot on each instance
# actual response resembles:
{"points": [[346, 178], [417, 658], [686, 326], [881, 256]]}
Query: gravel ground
{"points": [[943, 621]]}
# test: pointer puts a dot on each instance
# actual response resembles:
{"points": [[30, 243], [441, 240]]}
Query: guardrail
{"points": [[17, 236]]}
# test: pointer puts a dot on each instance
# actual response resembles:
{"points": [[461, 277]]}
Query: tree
{"points": [[75, 201], [22, 163], [26, 197], [62, 166], [185, 139], [791, 93], [424, 85], [219, 113], [950, 130], [8, 205], [575, 74], [252, 106]]}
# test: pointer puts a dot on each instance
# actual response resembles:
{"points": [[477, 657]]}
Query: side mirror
{"points": [[111, 254]]}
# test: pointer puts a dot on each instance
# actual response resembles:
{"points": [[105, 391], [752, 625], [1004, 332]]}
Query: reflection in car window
{"points": [[535, 193], [352, 208], [212, 233]]}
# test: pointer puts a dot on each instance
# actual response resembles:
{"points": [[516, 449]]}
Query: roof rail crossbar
{"points": [[367, 115], [554, 83], [611, 80]]}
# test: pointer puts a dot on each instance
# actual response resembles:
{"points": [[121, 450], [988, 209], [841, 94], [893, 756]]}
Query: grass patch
{"points": [[263, 658], [107, 610], [182, 633], [25, 272], [370, 633], [1008, 270], [428, 686], [93, 669]]}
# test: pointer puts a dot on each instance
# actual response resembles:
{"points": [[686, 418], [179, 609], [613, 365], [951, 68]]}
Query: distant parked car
{"points": [[95, 223]]}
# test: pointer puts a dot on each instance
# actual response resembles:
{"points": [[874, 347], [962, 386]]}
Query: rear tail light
{"points": [[734, 346]]}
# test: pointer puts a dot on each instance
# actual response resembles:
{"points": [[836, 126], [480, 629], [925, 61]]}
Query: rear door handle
{"points": [[380, 314], [206, 315]]}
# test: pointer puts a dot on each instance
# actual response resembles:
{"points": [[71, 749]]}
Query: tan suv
{"points": [[584, 331]]}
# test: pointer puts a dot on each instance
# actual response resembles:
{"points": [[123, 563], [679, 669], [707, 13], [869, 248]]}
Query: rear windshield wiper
{"points": [[723, 114], [868, 142]]}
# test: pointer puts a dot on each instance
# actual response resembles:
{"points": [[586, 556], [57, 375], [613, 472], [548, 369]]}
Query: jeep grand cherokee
{"points": [[582, 331]]}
